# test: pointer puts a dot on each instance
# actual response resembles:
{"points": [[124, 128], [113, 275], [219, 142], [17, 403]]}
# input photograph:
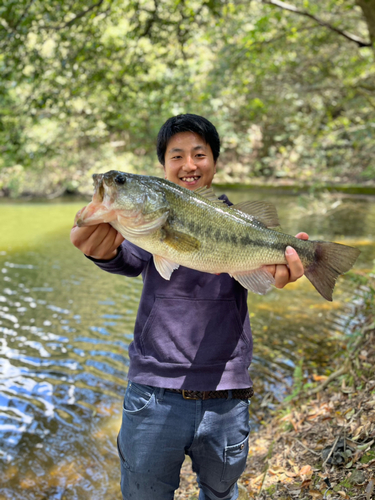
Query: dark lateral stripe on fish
{"points": [[247, 240], [220, 235]]}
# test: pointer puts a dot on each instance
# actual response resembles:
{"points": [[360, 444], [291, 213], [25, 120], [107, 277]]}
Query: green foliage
{"points": [[84, 85], [298, 382]]}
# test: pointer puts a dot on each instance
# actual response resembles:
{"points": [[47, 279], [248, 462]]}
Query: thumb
{"points": [[78, 214], [302, 236]]}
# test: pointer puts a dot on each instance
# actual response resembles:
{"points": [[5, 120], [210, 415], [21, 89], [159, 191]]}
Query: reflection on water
{"points": [[65, 329]]}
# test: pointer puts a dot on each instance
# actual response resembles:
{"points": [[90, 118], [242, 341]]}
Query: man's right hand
{"points": [[100, 241]]}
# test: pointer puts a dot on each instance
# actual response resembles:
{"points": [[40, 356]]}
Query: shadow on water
{"points": [[66, 326]]}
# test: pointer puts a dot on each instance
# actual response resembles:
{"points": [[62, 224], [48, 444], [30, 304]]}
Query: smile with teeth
{"points": [[190, 179]]}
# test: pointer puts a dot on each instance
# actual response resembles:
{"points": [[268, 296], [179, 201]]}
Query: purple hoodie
{"points": [[192, 332]]}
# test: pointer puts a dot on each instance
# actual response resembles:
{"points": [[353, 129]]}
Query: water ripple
{"points": [[65, 331]]}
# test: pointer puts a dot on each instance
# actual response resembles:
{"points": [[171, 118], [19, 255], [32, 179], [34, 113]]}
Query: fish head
{"points": [[119, 193]]}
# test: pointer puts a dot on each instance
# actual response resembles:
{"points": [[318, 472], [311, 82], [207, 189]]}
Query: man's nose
{"points": [[190, 164]]}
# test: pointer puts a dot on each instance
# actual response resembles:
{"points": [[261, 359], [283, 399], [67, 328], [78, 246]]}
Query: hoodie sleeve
{"points": [[129, 261]]}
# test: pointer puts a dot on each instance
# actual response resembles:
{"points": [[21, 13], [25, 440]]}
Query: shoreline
{"points": [[256, 184]]}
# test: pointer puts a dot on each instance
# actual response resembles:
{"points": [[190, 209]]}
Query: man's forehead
{"points": [[186, 140], [179, 148]]}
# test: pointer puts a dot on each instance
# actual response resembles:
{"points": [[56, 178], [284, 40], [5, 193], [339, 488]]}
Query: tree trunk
{"points": [[368, 9]]}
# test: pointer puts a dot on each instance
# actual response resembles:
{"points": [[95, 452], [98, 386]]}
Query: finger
{"points": [[105, 242], [87, 238], [100, 242], [271, 269], [302, 236], [103, 236], [78, 214], [282, 276], [111, 241], [79, 235], [294, 263]]}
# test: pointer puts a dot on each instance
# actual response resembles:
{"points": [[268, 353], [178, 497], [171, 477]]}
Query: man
{"points": [[189, 385]]}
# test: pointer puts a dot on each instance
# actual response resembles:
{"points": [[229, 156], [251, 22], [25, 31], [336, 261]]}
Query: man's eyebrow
{"points": [[179, 150]]}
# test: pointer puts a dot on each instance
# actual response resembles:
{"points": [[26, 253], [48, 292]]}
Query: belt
{"points": [[236, 394]]}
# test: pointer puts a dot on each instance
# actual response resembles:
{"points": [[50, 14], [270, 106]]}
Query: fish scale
{"points": [[196, 230]]}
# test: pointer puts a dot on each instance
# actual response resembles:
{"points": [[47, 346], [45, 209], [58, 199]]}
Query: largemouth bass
{"points": [[197, 230]]}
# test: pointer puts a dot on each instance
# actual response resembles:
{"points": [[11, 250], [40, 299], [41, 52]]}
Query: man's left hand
{"points": [[290, 272]]}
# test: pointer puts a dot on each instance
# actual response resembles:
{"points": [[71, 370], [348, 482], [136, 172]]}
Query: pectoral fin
{"points": [[180, 241], [128, 227], [258, 281], [165, 267]]}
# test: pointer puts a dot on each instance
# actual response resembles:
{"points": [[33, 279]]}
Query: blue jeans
{"points": [[159, 427]]}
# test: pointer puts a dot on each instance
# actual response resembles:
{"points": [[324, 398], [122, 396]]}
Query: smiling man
{"points": [[189, 161], [189, 385]]}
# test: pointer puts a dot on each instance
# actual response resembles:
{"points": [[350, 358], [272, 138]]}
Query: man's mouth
{"points": [[192, 178]]}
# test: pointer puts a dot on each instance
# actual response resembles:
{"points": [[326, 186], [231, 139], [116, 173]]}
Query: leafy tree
{"points": [[86, 86]]}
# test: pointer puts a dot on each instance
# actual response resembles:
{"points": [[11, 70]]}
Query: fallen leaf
{"points": [[319, 378], [306, 483], [349, 413], [276, 470], [343, 494], [291, 474], [315, 494], [363, 447], [364, 466], [306, 472]]}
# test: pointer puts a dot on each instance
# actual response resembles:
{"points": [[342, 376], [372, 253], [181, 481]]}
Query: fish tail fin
{"points": [[331, 260]]}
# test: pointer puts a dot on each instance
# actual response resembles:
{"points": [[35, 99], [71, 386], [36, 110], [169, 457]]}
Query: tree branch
{"points": [[23, 15], [151, 20], [75, 18], [294, 10]]}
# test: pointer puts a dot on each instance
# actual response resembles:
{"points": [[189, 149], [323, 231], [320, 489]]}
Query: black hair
{"points": [[187, 123]]}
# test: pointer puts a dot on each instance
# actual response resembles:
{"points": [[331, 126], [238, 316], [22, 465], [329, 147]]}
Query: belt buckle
{"points": [[185, 395]]}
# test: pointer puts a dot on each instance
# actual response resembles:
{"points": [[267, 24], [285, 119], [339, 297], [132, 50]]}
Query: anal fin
{"points": [[258, 280]]}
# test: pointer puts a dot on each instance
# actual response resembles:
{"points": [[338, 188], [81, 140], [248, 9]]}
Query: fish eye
{"points": [[120, 179]]}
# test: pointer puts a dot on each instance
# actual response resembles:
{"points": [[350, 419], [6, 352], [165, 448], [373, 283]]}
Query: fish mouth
{"points": [[99, 210], [98, 188], [95, 213]]}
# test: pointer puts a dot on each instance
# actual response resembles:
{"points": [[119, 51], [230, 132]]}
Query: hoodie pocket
{"points": [[185, 331]]}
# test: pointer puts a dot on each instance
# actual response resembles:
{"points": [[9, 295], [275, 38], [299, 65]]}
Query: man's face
{"points": [[189, 161]]}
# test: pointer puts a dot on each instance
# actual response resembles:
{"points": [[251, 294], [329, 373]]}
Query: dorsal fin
{"points": [[209, 194], [263, 211]]}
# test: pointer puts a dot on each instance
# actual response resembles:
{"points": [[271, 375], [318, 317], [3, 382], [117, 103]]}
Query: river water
{"points": [[65, 328]]}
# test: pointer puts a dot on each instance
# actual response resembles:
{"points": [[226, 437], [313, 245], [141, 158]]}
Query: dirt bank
{"points": [[320, 445]]}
